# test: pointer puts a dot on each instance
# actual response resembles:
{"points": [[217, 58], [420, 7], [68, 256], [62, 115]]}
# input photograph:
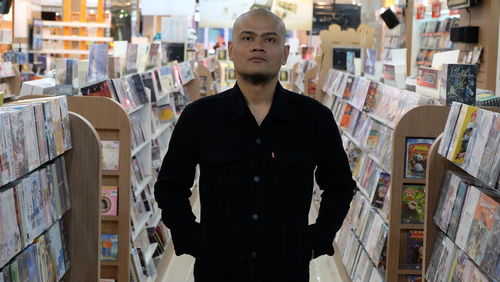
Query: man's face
{"points": [[258, 47]]}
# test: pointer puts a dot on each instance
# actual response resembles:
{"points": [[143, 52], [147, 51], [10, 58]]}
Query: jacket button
{"points": [[255, 217], [253, 254], [256, 179], [258, 141]]}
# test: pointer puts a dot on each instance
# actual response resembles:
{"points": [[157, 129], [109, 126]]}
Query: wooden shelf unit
{"points": [[437, 166], [421, 122], [112, 123], [84, 175], [84, 171]]}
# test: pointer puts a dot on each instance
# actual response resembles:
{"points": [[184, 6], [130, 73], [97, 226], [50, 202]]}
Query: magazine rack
{"points": [[112, 123], [437, 166], [84, 171], [421, 122]]}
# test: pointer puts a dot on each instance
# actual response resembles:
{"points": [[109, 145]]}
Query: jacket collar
{"points": [[279, 108]]}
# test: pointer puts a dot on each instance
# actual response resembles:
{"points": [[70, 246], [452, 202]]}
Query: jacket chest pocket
{"points": [[216, 166]]}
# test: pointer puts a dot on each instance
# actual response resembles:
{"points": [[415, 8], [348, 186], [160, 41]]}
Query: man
{"points": [[257, 145]]}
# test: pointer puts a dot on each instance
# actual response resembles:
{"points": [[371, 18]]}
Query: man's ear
{"points": [[230, 50], [286, 52]]}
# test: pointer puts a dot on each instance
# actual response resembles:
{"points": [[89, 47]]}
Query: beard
{"points": [[257, 78]]}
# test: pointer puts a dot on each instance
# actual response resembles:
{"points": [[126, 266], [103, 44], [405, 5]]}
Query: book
{"points": [[56, 249], [101, 88], [186, 72], [370, 61], [467, 217], [492, 251], [109, 200], [413, 278], [446, 200], [458, 84], [98, 62], [21, 166], [360, 93], [154, 57], [371, 96], [477, 144], [131, 63], [6, 153], [481, 227], [109, 247], [457, 209], [138, 89], [150, 82], [445, 263], [347, 93], [350, 62], [413, 204], [10, 236], [381, 190], [416, 156], [465, 126], [110, 155], [413, 249], [449, 130]]}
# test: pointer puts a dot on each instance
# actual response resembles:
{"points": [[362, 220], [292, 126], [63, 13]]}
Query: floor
{"points": [[322, 269]]}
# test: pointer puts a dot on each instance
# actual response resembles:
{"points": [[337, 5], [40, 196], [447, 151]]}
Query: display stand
{"points": [[13, 81], [84, 175], [112, 123], [84, 170], [363, 37], [421, 122], [437, 166]]}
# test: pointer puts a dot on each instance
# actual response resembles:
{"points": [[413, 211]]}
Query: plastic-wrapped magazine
{"points": [[98, 62]]}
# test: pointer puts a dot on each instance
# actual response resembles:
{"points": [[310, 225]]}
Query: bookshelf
{"points": [[83, 170], [112, 123], [437, 167], [421, 122], [209, 76]]}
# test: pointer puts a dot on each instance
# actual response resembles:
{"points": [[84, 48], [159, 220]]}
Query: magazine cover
{"points": [[451, 123], [414, 249], [488, 159], [139, 88], [481, 227], [446, 200], [413, 204], [109, 200], [467, 217], [350, 68], [110, 155], [361, 91], [109, 247], [382, 189], [131, 64], [6, 155], [370, 60], [371, 97], [448, 252], [21, 166], [348, 87], [98, 62], [416, 156], [154, 58], [492, 252], [460, 82], [464, 128], [457, 209]]}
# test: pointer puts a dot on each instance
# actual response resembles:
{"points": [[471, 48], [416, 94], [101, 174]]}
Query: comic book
{"points": [[413, 204]]}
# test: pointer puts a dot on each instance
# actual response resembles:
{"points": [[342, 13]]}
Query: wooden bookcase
{"points": [[112, 123], [421, 122], [83, 164]]}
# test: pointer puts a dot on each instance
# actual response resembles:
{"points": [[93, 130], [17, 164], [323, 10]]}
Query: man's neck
{"points": [[258, 95]]}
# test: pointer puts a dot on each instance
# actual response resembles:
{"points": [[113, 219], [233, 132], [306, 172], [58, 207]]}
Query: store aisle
{"points": [[322, 269]]}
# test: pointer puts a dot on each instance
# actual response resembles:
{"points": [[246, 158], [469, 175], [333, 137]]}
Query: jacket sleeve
{"points": [[176, 177], [333, 176]]}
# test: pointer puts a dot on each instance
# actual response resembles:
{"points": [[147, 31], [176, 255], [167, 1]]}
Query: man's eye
{"points": [[271, 39], [247, 38]]}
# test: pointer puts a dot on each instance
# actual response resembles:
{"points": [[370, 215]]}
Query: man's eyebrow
{"points": [[254, 33]]}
